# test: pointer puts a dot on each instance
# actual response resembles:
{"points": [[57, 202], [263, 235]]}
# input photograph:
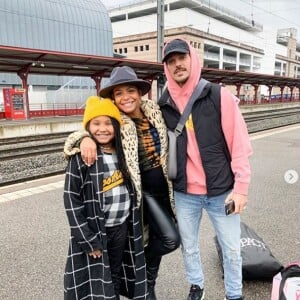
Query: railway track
{"points": [[270, 114], [22, 151], [31, 157], [271, 119], [28, 158], [33, 138]]}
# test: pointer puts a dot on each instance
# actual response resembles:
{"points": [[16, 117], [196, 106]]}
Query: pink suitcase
{"points": [[291, 285]]}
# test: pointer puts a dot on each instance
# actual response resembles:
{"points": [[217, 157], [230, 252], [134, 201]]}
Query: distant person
{"points": [[145, 143], [106, 256], [213, 165]]}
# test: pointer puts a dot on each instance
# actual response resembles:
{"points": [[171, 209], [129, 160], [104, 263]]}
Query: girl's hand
{"points": [[96, 253]]}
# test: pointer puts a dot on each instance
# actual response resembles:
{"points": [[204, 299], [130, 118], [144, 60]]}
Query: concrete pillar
{"points": [[237, 66], [221, 58]]}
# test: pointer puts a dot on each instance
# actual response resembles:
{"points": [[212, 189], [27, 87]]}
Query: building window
{"points": [[136, 49], [141, 48], [147, 47], [120, 50], [125, 50]]}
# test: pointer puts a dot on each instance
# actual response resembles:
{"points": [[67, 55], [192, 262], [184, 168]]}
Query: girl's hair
{"points": [[120, 151], [118, 146]]}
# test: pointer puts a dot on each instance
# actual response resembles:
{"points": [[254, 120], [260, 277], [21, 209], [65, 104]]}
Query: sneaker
{"points": [[196, 293]]}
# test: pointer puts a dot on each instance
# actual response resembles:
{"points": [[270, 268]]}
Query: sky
{"points": [[270, 13]]}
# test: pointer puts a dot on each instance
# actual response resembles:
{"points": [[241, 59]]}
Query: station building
{"points": [[223, 38]]}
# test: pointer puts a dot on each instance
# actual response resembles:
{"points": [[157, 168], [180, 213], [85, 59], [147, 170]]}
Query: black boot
{"points": [[151, 277], [152, 272]]}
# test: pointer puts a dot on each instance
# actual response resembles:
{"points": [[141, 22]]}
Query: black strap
{"points": [[290, 271], [196, 93]]}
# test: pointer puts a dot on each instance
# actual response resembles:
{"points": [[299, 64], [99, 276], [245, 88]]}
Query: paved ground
{"points": [[34, 230]]}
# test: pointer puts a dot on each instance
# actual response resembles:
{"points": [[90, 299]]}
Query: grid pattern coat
{"points": [[86, 277]]}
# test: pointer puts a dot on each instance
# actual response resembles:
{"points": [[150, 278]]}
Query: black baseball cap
{"points": [[176, 45]]}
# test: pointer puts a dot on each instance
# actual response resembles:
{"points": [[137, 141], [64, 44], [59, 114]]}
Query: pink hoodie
{"points": [[233, 125]]}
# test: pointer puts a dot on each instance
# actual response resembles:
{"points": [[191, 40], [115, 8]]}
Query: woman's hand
{"points": [[88, 150], [96, 253]]}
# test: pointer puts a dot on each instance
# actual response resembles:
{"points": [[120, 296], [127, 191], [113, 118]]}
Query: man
{"points": [[213, 165]]}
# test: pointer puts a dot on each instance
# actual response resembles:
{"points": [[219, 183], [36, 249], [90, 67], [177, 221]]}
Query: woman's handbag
{"points": [[162, 225], [172, 160]]}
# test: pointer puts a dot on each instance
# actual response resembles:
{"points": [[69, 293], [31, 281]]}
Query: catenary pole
{"points": [[160, 39]]}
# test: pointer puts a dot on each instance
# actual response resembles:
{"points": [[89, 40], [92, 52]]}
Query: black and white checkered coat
{"points": [[86, 277]]}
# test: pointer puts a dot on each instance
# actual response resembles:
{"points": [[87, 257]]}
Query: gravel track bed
{"points": [[33, 144], [32, 167]]}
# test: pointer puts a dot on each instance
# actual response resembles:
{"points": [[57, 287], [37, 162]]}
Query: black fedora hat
{"points": [[124, 75]]}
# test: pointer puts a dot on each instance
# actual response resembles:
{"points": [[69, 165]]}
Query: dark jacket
{"points": [[86, 277], [206, 115]]}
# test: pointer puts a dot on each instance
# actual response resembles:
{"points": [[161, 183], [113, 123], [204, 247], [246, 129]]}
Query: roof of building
{"points": [[206, 7], [230, 77], [80, 26]]}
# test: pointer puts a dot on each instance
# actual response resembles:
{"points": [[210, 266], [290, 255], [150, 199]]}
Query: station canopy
{"points": [[41, 62]]}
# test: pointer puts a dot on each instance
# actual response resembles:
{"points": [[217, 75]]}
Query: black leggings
{"points": [[163, 233], [116, 241]]}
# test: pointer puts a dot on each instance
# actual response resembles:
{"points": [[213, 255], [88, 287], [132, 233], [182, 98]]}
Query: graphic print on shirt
{"points": [[115, 179], [116, 200], [189, 123]]}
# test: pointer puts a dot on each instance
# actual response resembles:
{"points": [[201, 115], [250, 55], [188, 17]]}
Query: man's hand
{"points": [[96, 253], [88, 150], [240, 202]]}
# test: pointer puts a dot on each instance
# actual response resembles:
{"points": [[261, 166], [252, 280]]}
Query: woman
{"points": [[144, 139]]}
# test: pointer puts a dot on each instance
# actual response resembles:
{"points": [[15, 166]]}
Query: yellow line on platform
{"points": [[31, 191]]}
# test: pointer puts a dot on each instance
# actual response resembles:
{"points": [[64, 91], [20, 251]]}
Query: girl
{"points": [[106, 255]]}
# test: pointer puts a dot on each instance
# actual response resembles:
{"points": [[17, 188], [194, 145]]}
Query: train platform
{"points": [[34, 228], [59, 124], [37, 126]]}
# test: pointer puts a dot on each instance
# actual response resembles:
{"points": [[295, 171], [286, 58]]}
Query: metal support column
{"points": [[23, 74], [97, 79], [160, 40]]}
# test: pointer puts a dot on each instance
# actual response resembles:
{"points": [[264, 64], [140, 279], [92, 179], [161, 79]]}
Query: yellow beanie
{"points": [[96, 106]]}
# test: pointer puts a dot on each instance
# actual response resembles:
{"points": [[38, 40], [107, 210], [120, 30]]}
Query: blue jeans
{"points": [[189, 209]]}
